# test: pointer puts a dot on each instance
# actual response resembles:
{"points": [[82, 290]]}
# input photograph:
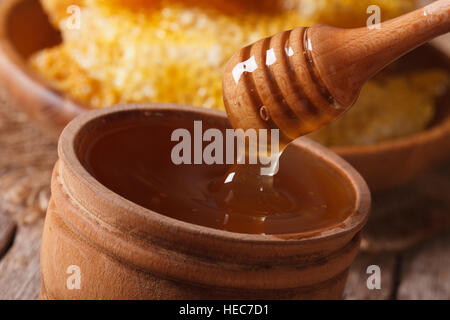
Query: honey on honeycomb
{"points": [[175, 50]]}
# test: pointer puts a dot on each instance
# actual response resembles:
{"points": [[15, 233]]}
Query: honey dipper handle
{"points": [[344, 59]]}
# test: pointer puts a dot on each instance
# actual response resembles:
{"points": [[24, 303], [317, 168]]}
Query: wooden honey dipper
{"points": [[299, 80]]}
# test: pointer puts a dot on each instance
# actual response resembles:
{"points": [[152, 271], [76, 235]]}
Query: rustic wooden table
{"points": [[407, 235]]}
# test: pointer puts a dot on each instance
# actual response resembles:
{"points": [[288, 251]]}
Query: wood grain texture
{"points": [[19, 268], [409, 215], [7, 228], [356, 288], [425, 272]]}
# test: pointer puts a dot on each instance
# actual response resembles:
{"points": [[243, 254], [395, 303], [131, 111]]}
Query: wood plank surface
{"points": [[19, 268], [425, 272], [406, 216], [357, 289], [7, 229]]}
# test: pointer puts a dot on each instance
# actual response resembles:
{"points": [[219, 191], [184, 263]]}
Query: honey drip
{"points": [[245, 184]]}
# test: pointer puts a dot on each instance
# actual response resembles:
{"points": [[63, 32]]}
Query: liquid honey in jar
{"points": [[302, 196]]}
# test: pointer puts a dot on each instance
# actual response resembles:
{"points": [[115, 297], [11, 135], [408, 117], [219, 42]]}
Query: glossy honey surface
{"points": [[304, 195]]}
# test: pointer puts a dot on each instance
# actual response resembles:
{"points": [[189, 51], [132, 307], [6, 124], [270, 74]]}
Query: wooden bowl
{"points": [[392, 163], [24, 29], [125, 251]]}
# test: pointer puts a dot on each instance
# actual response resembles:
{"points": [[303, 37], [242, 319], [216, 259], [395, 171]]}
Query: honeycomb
{"points": [[389, 107], [175, 51], [57, 10]]}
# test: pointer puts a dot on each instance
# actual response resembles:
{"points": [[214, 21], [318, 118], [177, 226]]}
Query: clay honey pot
{"points": [[125, 251]]}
